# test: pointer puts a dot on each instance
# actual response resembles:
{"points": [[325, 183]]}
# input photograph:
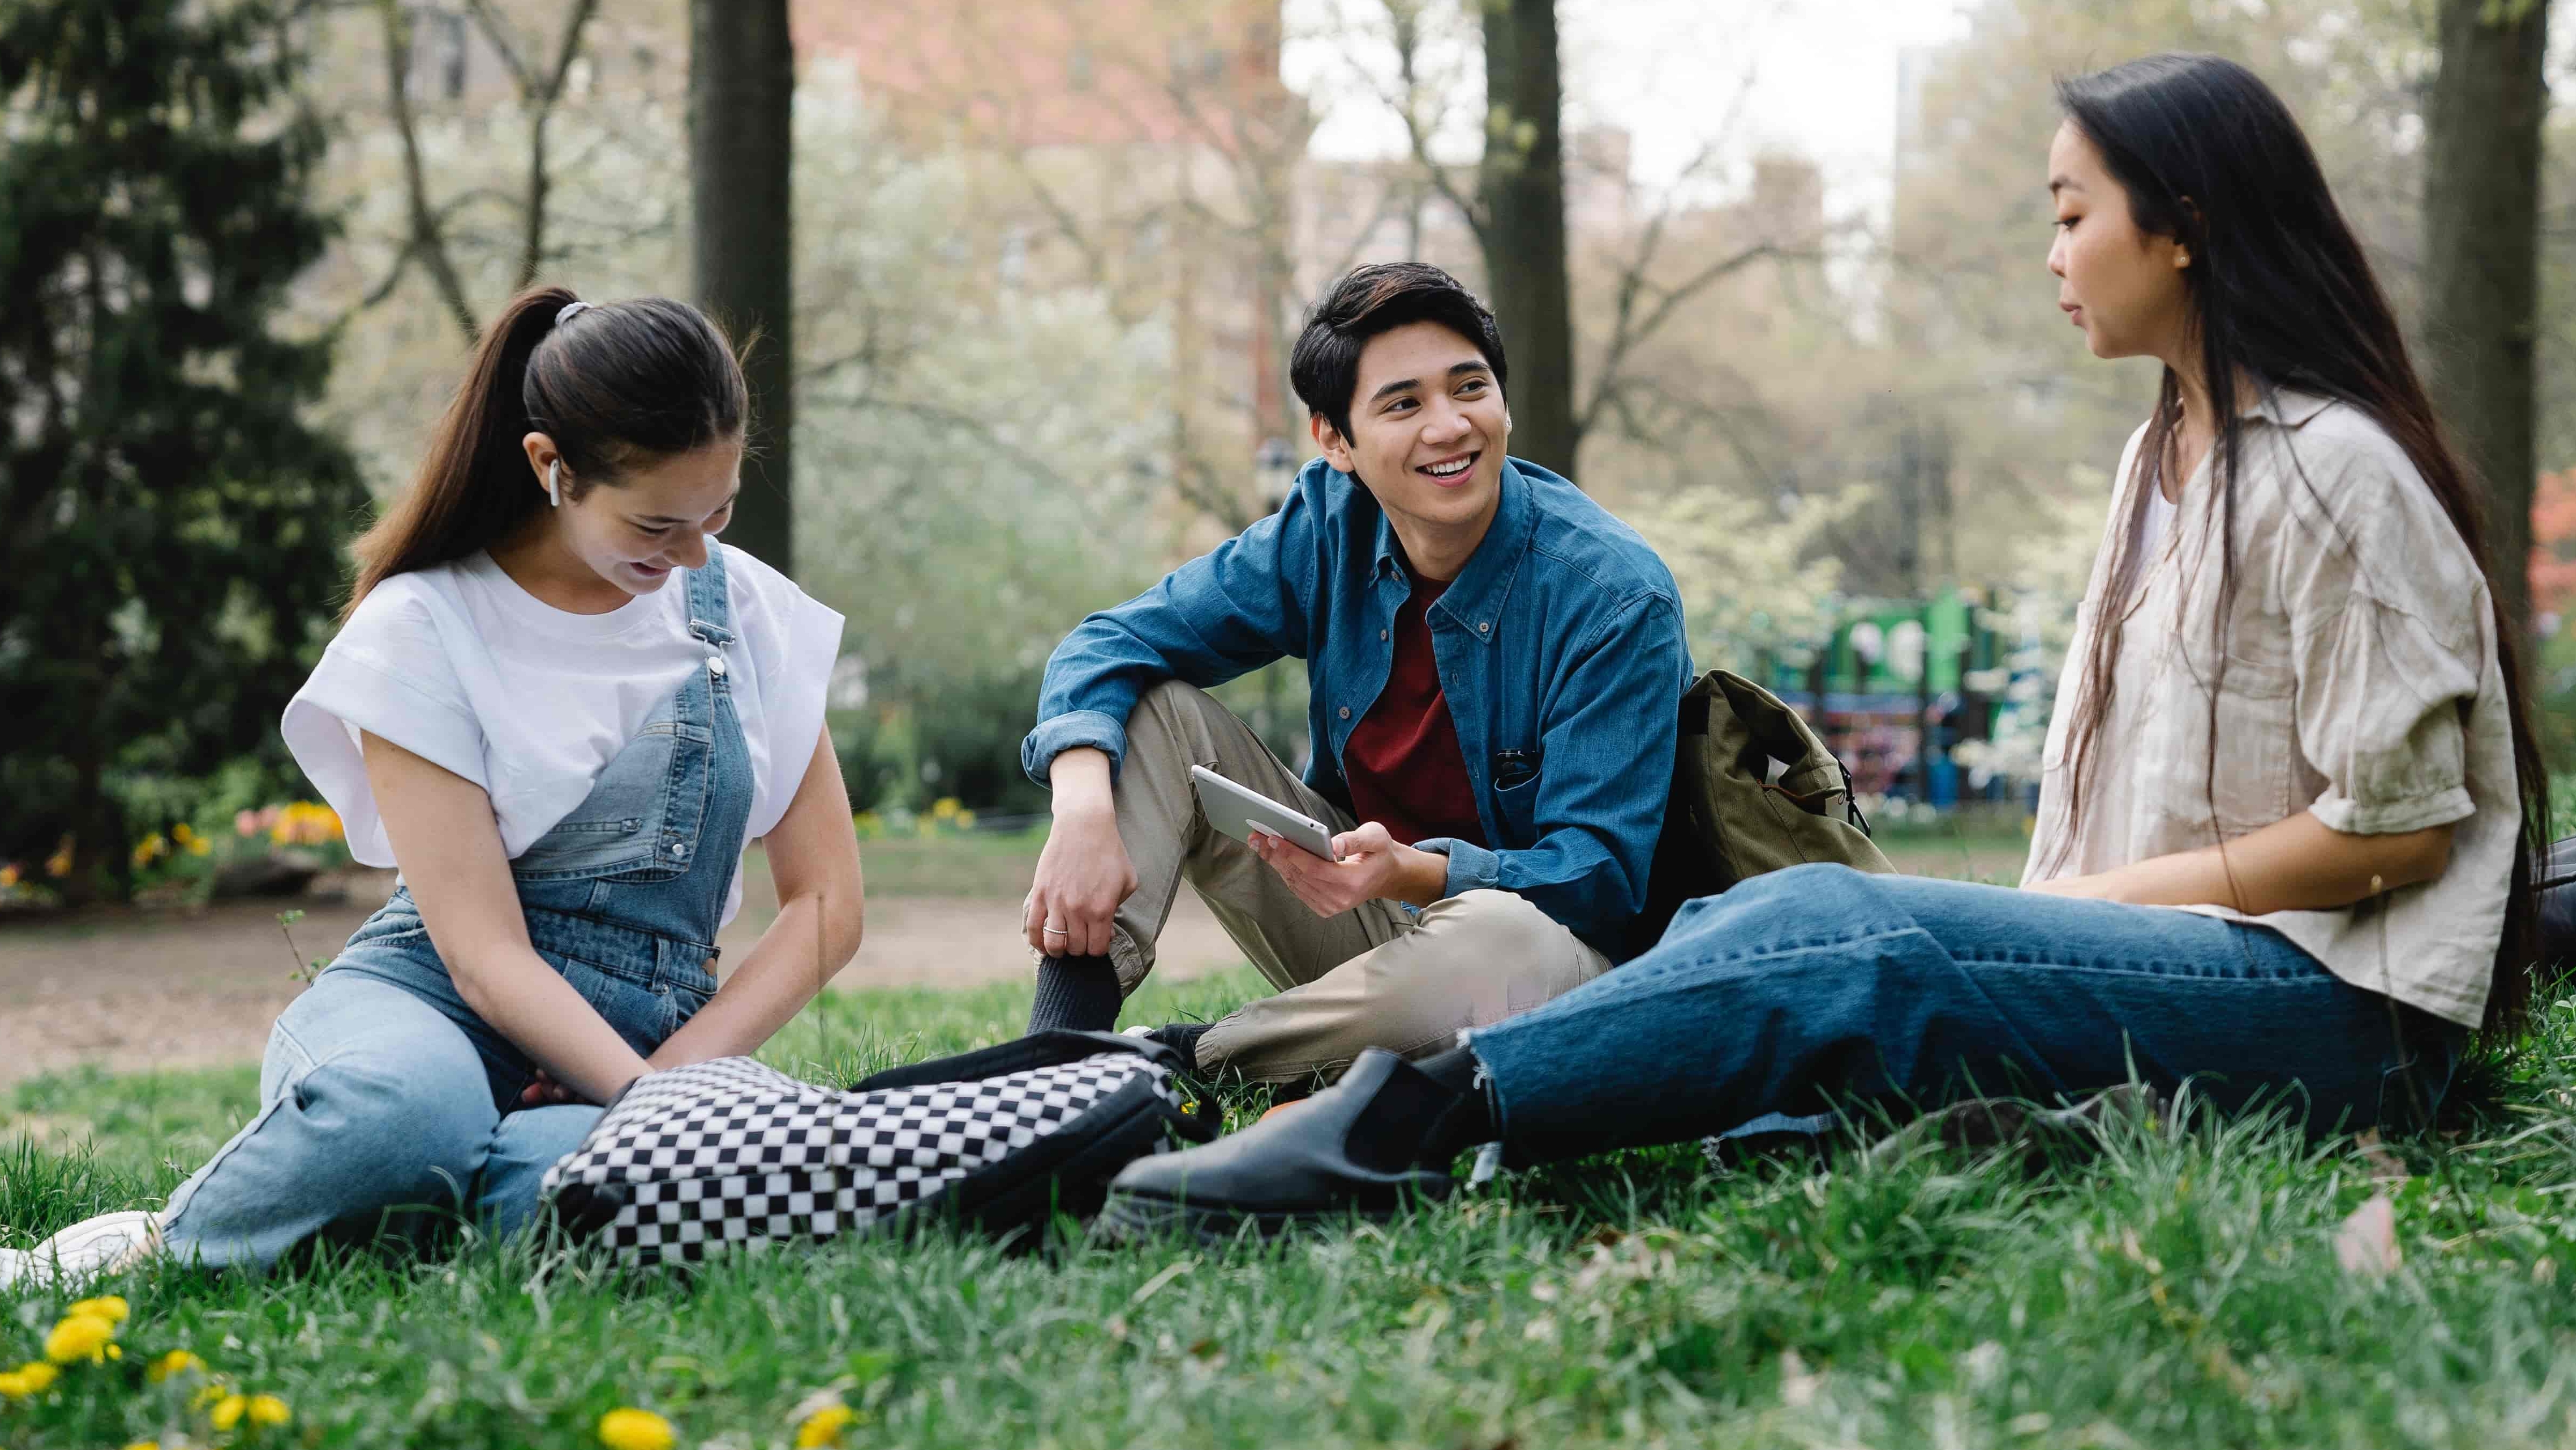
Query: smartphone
{"points": [[1239, 811]]}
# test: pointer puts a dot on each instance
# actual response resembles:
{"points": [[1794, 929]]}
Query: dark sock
{"points": [[1464, 1123], [1183, 1038], [1079, 994]]}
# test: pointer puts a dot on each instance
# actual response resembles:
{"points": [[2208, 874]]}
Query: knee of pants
{"points": [[420, 1123], [1818, 899], [1475, 957], [1161, 709]]}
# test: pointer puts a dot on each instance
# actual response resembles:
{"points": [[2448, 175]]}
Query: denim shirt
{"points": [[1561, 639]]}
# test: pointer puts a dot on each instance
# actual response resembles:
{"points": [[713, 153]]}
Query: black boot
{"points": [[1377, 1140], [1076, 994]]}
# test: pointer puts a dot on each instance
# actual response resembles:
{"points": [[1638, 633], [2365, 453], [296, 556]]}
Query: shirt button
{"points": [[1381, 634], [680, 850], [1486, 628], [716, 666], [1346, 712]]}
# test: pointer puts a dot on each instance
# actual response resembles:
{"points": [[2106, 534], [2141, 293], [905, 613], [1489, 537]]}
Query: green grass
{"points": [[2181, 1291]]}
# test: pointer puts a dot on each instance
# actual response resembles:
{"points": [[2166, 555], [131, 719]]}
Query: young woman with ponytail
{"points": [[2291, 802], [562, 709]]}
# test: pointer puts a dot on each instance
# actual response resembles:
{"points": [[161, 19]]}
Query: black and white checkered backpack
{"points": [[729, 1154]]}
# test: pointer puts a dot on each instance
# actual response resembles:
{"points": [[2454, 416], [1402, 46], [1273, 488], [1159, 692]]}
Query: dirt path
{"points": [[193, 988]]}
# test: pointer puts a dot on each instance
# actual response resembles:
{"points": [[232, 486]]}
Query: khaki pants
{"points": [[1371, 977]]}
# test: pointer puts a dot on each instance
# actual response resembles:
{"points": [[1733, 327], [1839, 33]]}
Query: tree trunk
{"points": [[2482, 261], [742, 82], [1522, 181]]}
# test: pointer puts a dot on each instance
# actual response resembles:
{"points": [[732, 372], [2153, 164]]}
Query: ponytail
{"points": [[646, 378]]}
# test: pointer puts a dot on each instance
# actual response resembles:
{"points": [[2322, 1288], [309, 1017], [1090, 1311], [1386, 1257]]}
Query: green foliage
{"points": [[174, 521], [2182, 1291]]}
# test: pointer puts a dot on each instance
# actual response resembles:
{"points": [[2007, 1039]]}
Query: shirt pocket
{"points": [[1516, 811], [640, 821], [2222, 766]]}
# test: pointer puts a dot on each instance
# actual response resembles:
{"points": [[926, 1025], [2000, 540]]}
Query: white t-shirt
{"points": [[2157, 524], [462, 667]]}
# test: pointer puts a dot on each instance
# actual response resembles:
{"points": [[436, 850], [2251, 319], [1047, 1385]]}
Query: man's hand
{"points": [[1373, 866], [1084, 873]]}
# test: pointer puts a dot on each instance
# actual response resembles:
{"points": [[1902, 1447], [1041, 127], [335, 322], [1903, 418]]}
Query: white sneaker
{"points": [[88, 1249]]}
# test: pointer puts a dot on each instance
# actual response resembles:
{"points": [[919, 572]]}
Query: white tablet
{"points": [[1239, 812]]}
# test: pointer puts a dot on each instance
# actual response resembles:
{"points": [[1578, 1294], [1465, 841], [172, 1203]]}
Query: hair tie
{"points": [[569, 309]]}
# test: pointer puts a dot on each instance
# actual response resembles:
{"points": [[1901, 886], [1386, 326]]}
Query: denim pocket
{"points": [[1516, 811]]}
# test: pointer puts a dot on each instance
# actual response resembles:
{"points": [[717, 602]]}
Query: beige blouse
{"points": [[2361, 685]]}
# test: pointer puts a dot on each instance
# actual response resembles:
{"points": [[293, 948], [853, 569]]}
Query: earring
{"points": [[553, 492]]}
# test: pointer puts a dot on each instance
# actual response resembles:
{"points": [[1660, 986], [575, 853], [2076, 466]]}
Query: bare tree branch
{"points": [[428, 239]]}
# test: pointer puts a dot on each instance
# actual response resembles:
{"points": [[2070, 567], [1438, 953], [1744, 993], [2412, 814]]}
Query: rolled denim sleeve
{"points": [[1607, 741], [1232, 610]]}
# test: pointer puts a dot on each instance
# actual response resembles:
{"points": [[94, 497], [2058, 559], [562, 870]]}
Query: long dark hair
{"points": [[2281, 295], [614, 384]]}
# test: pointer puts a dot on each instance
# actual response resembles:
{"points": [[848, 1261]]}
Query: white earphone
{"points": [[552, 491]]}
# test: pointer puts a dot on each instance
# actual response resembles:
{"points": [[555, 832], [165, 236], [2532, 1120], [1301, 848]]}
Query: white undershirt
{"points": [[2159, 523], [461, 666]]}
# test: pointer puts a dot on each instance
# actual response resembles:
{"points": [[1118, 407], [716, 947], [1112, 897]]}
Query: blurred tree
{"points": [[1520, 187], [2482, 149], [540, 88], [174, 522], [742, 86]]}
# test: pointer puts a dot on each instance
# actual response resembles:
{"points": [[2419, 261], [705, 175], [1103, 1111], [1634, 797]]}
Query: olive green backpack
{"points": [[1729, 817]]}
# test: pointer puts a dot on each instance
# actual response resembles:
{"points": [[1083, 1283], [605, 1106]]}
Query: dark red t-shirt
{"points": [[1405, 767]]}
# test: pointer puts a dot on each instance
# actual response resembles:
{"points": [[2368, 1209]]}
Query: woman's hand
{"points": [[544, 1092], [1084, 873], [443, 832], [1374, 866]]}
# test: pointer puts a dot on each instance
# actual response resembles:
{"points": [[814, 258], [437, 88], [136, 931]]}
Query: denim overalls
{"points": [[382, 1088]]}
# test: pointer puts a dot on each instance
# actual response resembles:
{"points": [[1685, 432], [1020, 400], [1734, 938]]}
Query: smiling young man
{"points": [[1494, 666]]}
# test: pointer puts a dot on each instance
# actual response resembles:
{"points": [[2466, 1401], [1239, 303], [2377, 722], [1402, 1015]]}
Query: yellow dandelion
{"points": [[59, 864], [229, 1410], [8, 876], [110, 1307], [144, 1445], [29, 1379], [116, 1351], [964, 820], [184, 834], [824, 1426], [631, 1429], [79, 1336], [212, 1394], [170, 1366], [266, 1410], [150, 849], [946, 808]]}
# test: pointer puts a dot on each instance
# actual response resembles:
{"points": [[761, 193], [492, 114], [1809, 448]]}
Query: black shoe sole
{"points": [[1129, 1217]]}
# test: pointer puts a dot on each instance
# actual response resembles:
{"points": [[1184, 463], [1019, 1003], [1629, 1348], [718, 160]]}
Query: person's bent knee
{"points": [[1483, 922], [407, 1130], [1170, 701]]}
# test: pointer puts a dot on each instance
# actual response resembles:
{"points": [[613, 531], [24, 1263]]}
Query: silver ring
{"points": [[1054, 931]]}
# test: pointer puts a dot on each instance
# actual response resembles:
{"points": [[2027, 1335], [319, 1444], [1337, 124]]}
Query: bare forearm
{"points": [[1421, 877], [813, 937], [1079, 780], [531, 1004], [2296, 864]]}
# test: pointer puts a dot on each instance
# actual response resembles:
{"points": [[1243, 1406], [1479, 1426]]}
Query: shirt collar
{"points": [[1475, 598], [2286, 407]]}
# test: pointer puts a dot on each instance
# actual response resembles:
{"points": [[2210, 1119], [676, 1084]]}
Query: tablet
{"points": [[1239, 811]]}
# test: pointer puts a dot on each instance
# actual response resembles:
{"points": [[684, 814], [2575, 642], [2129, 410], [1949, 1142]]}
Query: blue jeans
{"points": [[388, 1105], [1820, 989]]}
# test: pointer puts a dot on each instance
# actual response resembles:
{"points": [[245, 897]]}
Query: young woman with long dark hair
{"points": [[562, 709], [2290, 804]]}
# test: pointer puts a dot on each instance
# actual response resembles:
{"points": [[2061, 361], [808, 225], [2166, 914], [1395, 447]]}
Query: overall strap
{"points": [[710, 604]]}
